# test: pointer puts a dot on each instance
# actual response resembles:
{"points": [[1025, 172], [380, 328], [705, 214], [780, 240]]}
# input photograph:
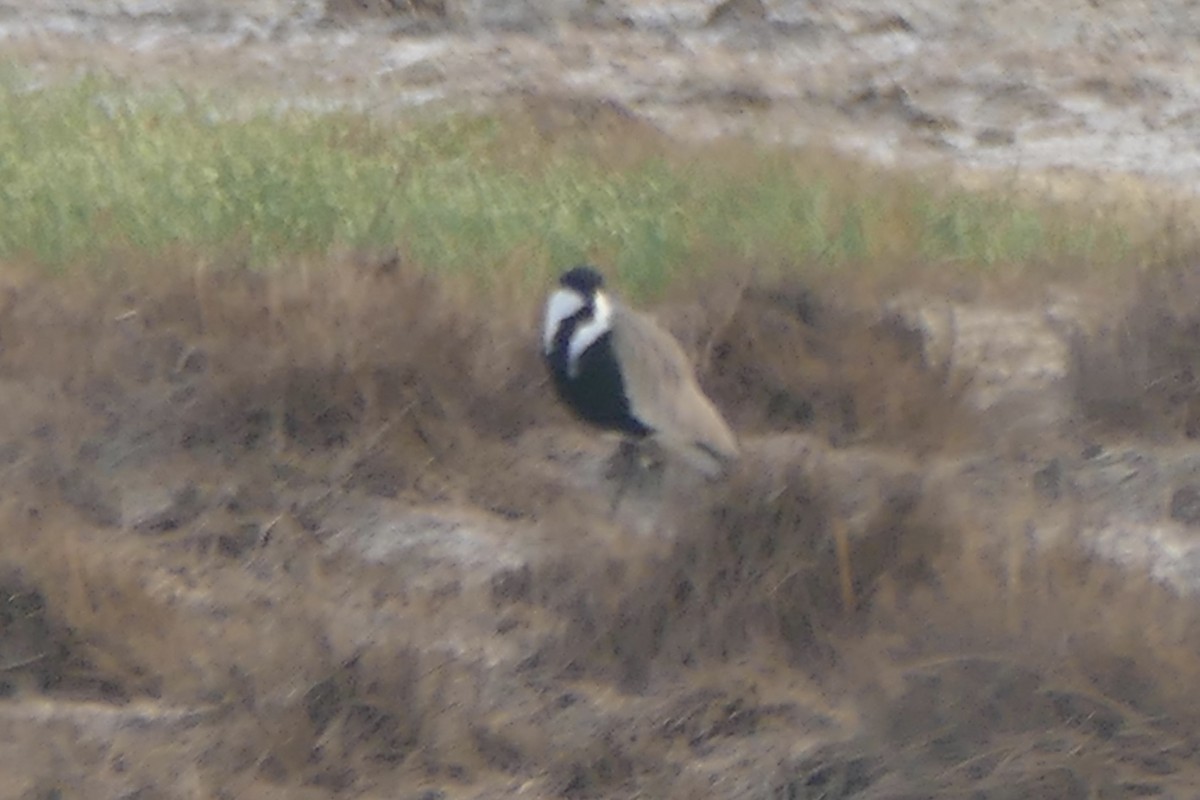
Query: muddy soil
{"points": [[1018, 87]]}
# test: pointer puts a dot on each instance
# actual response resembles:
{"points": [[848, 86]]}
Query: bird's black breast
{"points": [[596, 393]]}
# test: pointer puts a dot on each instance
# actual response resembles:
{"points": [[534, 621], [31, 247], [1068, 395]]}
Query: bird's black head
{"points": [[583, 279]]}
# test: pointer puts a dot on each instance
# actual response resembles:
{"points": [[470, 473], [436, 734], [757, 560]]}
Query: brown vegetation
{"points": [[1138, 372], [324, 534]]}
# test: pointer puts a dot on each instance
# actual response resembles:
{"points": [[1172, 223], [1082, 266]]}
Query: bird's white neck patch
{"points": [[561, 305], [587, 334]]}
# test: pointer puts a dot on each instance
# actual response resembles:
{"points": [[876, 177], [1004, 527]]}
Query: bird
{"points": [[618, 370]]}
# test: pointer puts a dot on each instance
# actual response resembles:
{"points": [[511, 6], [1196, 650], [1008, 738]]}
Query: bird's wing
{"points": [[664, 395], [653, 365]]}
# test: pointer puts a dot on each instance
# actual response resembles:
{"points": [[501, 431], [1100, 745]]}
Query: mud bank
{"points": [[1017, 88]]}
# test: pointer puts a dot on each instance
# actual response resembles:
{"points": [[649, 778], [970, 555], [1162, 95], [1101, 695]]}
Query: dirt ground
{"points": [[327, 535]]}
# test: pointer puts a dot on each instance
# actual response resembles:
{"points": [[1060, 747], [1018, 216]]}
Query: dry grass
{"points": [[792, 357], [258, 406], [1063, 681], [1137, 373]]}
